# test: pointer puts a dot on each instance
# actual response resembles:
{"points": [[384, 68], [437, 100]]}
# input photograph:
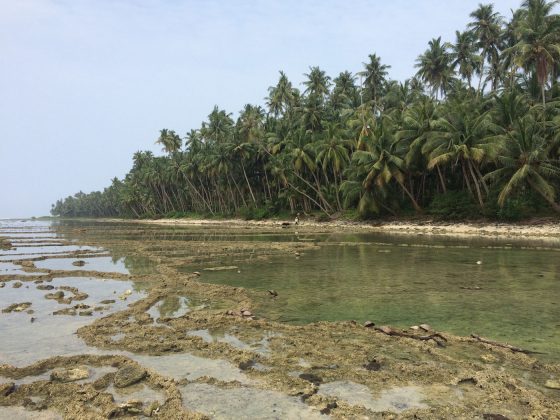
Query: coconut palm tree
{"points": [[434, 67], [170, 141], [487, 28], [525, 160], [465, 136], [317, 83], [375, 76], [538, 46], [382, 163], [464, 55]]}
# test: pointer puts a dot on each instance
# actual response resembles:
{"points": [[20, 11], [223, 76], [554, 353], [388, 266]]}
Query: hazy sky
{"points": [[86, 83]]}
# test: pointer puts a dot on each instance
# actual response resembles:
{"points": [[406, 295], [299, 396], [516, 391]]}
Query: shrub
{"points": [[454, 205]]}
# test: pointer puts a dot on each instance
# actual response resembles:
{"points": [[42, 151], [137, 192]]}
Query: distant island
{"points": [[474, 133]]}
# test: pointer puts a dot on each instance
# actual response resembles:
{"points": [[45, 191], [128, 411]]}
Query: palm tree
{"points": [[525, 162], [434, 67], [464, 55], [317, 83], [170, 141], [345, 92], [415, 129], [382, 163], [464, 135], [538, 48], [281, 96], [487, 27], [219, 127], [375, 75], [333, 154]]}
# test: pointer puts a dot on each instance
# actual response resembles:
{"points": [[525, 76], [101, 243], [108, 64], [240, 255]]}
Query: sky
{"points": [[86, 83]]}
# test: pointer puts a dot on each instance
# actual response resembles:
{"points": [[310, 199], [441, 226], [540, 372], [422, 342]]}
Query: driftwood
{"points": [[437, 337], [502, 345]]}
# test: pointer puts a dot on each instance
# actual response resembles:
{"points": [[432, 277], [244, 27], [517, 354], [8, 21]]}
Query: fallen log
{"points": [[504, 345], [437, 337]]}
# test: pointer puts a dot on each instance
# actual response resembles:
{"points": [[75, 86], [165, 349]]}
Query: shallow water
{"points": [[245, 403], [24, 342], [395, 399], [191, 367], [508, 293], [171, 306]]}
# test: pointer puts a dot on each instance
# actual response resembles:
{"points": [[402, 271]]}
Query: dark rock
{"points": [[373, 365], [273, 293], [55, 295], [107, 301], [489, 416], [330, 406], [246, 365], [45, 287], [79, 263], [467, 381], [65, 311], [7, 389], [86, 313], [311, 377], [17, 284], [129, 375], [369, 324]]}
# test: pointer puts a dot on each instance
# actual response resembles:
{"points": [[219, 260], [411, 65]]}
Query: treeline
{"points": [[476, 132]]}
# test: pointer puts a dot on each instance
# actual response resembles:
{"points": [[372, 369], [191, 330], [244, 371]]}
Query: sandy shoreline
{"points": [[535, 231]]}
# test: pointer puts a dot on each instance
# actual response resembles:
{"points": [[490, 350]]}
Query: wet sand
{"points": [[536, 229]]}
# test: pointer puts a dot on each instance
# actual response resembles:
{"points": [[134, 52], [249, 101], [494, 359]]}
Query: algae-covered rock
{"points": [[551, 384], [129, 375], [70, 374], [16, 307], [7, 389], [55, 295]]}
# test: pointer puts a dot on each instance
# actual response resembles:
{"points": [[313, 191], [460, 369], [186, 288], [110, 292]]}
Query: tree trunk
{"points": [[248, 184], [478, 193], [414, 203], [441, 179], [550, 201]]}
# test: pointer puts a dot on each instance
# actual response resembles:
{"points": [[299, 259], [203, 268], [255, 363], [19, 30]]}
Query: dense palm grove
{"points": [[476, 132]]}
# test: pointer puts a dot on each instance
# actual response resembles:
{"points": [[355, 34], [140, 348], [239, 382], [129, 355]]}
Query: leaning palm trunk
{"points": [[442, 181], [408, 193], [475, 180], [548, 199], [248, 184], [310, 198]]}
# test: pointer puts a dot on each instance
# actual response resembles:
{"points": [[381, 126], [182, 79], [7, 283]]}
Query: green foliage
{"points": [[454, 205], [251, 213]]}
